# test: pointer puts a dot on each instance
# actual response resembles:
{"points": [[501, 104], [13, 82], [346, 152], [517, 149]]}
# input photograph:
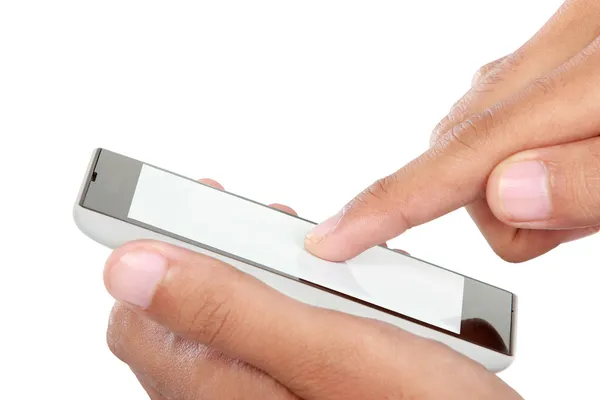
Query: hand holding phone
{"points": [[123, 199], [192, 327]]}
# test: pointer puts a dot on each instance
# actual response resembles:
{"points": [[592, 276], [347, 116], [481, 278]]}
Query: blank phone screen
{"points": [[275, 241]]}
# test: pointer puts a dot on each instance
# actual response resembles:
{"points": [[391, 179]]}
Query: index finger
{"points": [[556, 109]]}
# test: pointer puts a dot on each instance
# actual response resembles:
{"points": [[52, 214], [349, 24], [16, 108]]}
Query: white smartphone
{"points": [[123, 199]]}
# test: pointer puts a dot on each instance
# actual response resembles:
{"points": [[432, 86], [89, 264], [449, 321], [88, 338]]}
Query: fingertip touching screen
{"points": [[275, 241]]}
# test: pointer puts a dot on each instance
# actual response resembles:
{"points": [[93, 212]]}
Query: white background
{"points": [[303, 103]]}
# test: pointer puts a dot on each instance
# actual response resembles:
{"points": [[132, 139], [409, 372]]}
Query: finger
{"points": [[488, 68], [556, 187], [144, 381], [181, 369], [284, 208], [211, 182], [569, 30], [573, 27], [402, 252], [453, 173], [513, 244], [396, 250], [314, 352], [290, 210]]}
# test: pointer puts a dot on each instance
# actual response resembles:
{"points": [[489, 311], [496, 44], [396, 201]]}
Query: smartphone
{"points": [[122, 199]]}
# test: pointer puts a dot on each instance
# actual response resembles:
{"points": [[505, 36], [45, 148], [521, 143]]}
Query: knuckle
{"points": [[458, 111], [380, 189], [495, 73], [376, 192], [488, 82], [465, 134], [440, 129], [485, 75], [461, 108], [480, 73], [484, 71], [544, 84], [513, 61], [381, 196], [469, 137]]}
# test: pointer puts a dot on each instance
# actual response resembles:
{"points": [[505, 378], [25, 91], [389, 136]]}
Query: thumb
{"points": [[454, 172], [550, 188]]}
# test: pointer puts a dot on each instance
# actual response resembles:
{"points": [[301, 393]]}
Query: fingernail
{"points": [[320, 231], [524, 191], [134, 278]]}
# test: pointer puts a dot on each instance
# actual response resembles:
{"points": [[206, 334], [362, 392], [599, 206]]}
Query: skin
{"points": [[212, 332], [200, 329], [539, 103]]}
